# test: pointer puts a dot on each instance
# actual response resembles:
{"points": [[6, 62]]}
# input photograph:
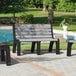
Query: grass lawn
{"points": [[71, 27], [63, 46], [41, 18]]}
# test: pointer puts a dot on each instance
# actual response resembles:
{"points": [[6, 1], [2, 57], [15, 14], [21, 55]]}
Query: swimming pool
{"points": [[6, 35]]}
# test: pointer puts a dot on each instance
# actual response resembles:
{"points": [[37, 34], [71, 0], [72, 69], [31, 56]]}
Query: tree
{"points": [[74, 4], [9, 6], [66, 5], [12, 6], [35, 3], [62, 5], [38, 3], [50, 3]]}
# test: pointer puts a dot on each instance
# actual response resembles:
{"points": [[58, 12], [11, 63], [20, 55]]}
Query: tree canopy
{"points": [[66, 5], [19, 5], [11, 5]]}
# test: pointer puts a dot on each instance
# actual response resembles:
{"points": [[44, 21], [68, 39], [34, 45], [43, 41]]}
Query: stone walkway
{"points": [[47, 64]]}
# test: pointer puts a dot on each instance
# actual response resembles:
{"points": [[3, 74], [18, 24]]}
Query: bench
{"points": [[5, 53], [69, 46], [34, 33]]}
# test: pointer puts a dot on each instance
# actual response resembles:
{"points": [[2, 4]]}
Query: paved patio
{"points": [[47, 64]]}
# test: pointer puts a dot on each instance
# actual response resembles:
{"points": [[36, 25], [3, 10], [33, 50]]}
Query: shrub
{"points": [[27, 18], [65, 21]]}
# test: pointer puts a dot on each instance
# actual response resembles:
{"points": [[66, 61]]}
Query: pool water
{"points": [[6, 35]]}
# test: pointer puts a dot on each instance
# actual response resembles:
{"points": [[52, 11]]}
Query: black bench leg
{"points": [[69, 46], [51, 46], [33, 47], [58, 47], [2, 55], [18, 48], [38, 48], [14, 47], [8, 59]]}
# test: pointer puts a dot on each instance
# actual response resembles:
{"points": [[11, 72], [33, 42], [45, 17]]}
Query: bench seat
{"points": [[31, 40], [69, 46]]}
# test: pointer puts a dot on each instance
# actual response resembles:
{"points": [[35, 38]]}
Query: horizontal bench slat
{"points": [[34, 31], [31, 40], [36, 36], [32, 34], [32, 26]]}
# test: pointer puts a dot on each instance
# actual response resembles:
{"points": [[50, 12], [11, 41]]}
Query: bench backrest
{"points": [[32, 31]]}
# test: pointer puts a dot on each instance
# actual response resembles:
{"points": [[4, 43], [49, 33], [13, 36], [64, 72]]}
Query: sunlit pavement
{"points": [[46, 64]]}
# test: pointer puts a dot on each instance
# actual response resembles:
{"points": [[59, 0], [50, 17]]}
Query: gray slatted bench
{"points": [[34, 33], [5, 53], [69, 46]]}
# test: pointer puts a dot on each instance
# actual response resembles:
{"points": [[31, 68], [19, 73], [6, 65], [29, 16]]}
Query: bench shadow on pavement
{"points": [[42, 57], [13, 62], [28, 56], [42, 52]]}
